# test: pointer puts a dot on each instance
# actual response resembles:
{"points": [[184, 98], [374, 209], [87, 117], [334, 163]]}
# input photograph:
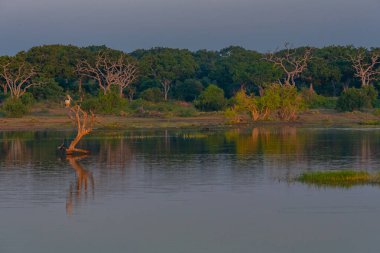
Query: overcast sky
{"points": [[194, 24]]}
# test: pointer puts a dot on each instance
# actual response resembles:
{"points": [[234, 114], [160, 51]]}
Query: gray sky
{"points": [[194, 24]]}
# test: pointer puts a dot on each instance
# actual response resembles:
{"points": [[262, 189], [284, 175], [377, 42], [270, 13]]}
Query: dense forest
{"points": [[53, 72]]}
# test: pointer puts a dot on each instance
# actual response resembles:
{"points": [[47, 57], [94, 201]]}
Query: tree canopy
{"points": [[183, 74]]}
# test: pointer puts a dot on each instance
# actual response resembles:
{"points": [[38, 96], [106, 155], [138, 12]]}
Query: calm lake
{"points": [[188, 191]]}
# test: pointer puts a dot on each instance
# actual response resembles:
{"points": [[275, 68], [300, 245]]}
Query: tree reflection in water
{"points": [[79, 191]]}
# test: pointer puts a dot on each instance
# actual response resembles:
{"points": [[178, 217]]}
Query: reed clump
{"points": [[342, 178]]}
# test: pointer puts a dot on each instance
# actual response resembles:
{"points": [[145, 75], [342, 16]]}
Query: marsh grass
{"points": [[343, 178], [370, 122]]}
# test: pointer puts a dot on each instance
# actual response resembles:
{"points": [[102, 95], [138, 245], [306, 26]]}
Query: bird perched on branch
{"points": [[68, 101]]}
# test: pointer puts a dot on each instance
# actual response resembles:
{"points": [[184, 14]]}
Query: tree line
{"points": [[179, 74]]}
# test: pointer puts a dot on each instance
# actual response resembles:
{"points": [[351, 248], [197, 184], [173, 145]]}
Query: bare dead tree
{"points": [[366, 67], [84, 124], [107, 72], [17, 78], [98, 72], [124, 73], [292, 63]]}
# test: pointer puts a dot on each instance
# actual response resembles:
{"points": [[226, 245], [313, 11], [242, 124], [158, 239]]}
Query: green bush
{"points": [[357, 99], [143, 108], [285, 99], [315, 101], [376, 112], [152, 95], [27, 99], [111, 103], [14, 108], [211, 99], [282, 101]]}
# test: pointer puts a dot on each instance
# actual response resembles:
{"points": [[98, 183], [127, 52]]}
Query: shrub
{"points": [[314, 101], [144, 108], [152, 95], [27, 99], [376, 112], [289, 101], [357, 99], [111, 103], [14, 108], [211, 99], [283, 101], [186, 112]]}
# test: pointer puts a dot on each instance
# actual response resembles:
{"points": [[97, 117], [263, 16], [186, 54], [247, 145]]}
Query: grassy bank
{"points": [[110, 122], [344, 178], [55, 117]]}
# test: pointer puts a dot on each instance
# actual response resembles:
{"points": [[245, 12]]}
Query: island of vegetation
{"points": [[343, 178], [165, 87]]}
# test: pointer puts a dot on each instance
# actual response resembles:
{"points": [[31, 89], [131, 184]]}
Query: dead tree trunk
{"points": [[166, 87], [84, 124]]}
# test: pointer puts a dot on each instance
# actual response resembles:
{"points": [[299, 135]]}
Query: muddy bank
{"points": [[322, 118]]}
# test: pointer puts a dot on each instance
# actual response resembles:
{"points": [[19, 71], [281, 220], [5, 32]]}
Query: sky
{"points": [[261, 25]]}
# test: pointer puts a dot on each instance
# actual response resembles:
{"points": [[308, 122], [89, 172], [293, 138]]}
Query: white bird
{"points": [[68, 101]]}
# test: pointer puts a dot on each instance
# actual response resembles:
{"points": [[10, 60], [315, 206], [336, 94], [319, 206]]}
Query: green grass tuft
{"points": [[344, 178]]}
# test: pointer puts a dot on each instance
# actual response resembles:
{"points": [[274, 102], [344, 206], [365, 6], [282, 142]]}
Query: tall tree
{"points": [[237, 67], [57, 62], [322, 75], [168, 65], [17, 75]]}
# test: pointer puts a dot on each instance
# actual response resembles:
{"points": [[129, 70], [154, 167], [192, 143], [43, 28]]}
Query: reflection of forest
{"points": [[14, 149], [300, 142], [284, 140], [79, 191], [114, 152], [181, 157], [296, 143]]}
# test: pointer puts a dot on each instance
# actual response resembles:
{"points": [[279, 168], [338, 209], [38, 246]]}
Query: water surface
{"points": [[187, 191]]}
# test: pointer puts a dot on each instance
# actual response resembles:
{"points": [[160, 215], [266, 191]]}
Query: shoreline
{"points": [[312, 118]]}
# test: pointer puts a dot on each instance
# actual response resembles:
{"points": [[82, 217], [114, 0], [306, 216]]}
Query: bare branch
{"points": [[365, 67], [291, 63], [84, 125], [107, 72], [17, 78]]}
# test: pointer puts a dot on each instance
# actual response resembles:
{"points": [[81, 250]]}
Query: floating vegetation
{"points": [[343, 178]]}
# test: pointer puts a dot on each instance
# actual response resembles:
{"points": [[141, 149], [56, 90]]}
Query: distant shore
{"points": [[320, 118]]}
